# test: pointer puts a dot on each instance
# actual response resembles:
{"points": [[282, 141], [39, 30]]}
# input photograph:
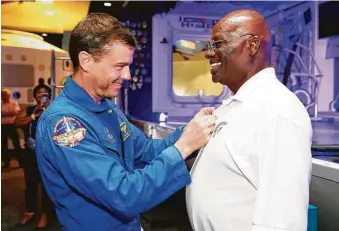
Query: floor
{"points": [[12, 200]]}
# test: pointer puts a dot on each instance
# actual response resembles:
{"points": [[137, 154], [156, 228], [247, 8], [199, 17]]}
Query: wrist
{"points": [[183, 149]]}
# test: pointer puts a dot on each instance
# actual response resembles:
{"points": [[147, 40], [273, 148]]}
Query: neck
{"points": [[234, 87], [80, 77]]}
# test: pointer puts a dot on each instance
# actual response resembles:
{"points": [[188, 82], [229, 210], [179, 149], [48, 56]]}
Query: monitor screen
{"points": [[328, 19]]}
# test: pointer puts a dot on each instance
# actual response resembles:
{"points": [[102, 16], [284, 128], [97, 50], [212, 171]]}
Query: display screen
{"points": [[191, 71], [328, 19]]}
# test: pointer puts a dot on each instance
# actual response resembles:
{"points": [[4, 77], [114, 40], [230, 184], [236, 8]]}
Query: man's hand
{"points": [[205, 111], [196, 134]]}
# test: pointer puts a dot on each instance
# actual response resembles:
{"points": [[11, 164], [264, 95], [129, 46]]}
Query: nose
{"points": [[126, 73], [209, 54]]}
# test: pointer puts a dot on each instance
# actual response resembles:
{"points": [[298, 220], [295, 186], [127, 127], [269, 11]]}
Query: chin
{"points": [[215, 79], [113, 94]]}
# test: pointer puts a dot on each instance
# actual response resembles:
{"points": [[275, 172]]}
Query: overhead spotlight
{"points": [[44, 34], [107, 4]]}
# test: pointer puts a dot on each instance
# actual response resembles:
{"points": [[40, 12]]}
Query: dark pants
{"points": [[9, 131], [32, 183]]}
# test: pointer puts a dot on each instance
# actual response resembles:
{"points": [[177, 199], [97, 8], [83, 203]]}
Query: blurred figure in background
{"points": [[28, 119], [9, 110]]}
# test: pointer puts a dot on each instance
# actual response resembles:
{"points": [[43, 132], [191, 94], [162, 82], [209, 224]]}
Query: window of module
{"points": [[191, 70]]}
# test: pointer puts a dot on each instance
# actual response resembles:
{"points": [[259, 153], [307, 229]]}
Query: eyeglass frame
{"points": [[210, 47]]}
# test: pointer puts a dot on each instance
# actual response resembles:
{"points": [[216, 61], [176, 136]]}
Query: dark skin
{"points": [[22, 119], [244, 50]]}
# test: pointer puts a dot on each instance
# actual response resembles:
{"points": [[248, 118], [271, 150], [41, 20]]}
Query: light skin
{"points": [[244, 51], [103, 77], [5, 98]]}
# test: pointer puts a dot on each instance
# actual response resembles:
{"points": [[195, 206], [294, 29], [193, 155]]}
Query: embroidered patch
{"points": [[68, 132], [124, 131], [109, 135], [218, 128]]}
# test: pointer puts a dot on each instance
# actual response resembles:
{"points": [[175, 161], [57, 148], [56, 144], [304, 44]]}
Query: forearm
{"points": [[23, 121], [9, 114], [150, 148]]}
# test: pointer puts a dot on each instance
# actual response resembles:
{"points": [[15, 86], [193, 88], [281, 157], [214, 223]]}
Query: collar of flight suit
{"points": [[79, 96], [250, 85]]}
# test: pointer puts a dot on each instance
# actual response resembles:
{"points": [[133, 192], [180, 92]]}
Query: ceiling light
{"points": [[44, 34], [49, 12], [107, 4], [125, 4]]}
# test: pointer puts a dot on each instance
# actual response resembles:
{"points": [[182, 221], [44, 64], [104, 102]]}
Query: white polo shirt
{"points": [[254, 173]]}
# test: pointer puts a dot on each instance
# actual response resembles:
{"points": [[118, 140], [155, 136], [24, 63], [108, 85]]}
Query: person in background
{"points": [[28, 119], [256, 168], [9, 110]]}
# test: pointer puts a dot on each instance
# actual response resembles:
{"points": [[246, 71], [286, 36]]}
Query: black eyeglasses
{"points": [[212, 44]]}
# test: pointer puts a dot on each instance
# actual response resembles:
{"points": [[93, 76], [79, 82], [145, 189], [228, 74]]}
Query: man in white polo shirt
{"points": [[9, 110], [254, 173]]}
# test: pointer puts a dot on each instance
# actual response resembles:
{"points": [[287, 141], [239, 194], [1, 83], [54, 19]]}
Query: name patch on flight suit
{"points": [[109, 135], [124, 130], [68, 132]]}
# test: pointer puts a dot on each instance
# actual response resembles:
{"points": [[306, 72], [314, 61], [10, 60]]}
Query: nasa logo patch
{"points": [[68, 131]]}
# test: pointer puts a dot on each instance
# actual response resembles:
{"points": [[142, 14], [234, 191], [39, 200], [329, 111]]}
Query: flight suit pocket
{"points": [[110, 146]]}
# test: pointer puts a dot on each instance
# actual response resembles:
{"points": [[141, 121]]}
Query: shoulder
{"points": [[292, 109], [63, 128], [60, 113], [278, 103], [14, 103], [279, 99]]}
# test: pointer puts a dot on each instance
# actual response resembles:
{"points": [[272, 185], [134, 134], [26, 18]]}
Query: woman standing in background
{"points": [[28, 119]]}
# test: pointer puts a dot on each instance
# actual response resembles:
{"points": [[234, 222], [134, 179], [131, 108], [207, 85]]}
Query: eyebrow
{"points": [[122, 63], [216, 37]]}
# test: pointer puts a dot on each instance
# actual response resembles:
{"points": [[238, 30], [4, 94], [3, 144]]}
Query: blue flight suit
{"points": [[99, 170]]}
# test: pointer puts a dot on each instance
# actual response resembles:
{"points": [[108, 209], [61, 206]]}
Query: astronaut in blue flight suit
{"points": [[98, 169]]}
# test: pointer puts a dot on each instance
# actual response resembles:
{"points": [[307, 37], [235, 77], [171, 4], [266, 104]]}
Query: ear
{"points": [[85, 60], [254, 45]]}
